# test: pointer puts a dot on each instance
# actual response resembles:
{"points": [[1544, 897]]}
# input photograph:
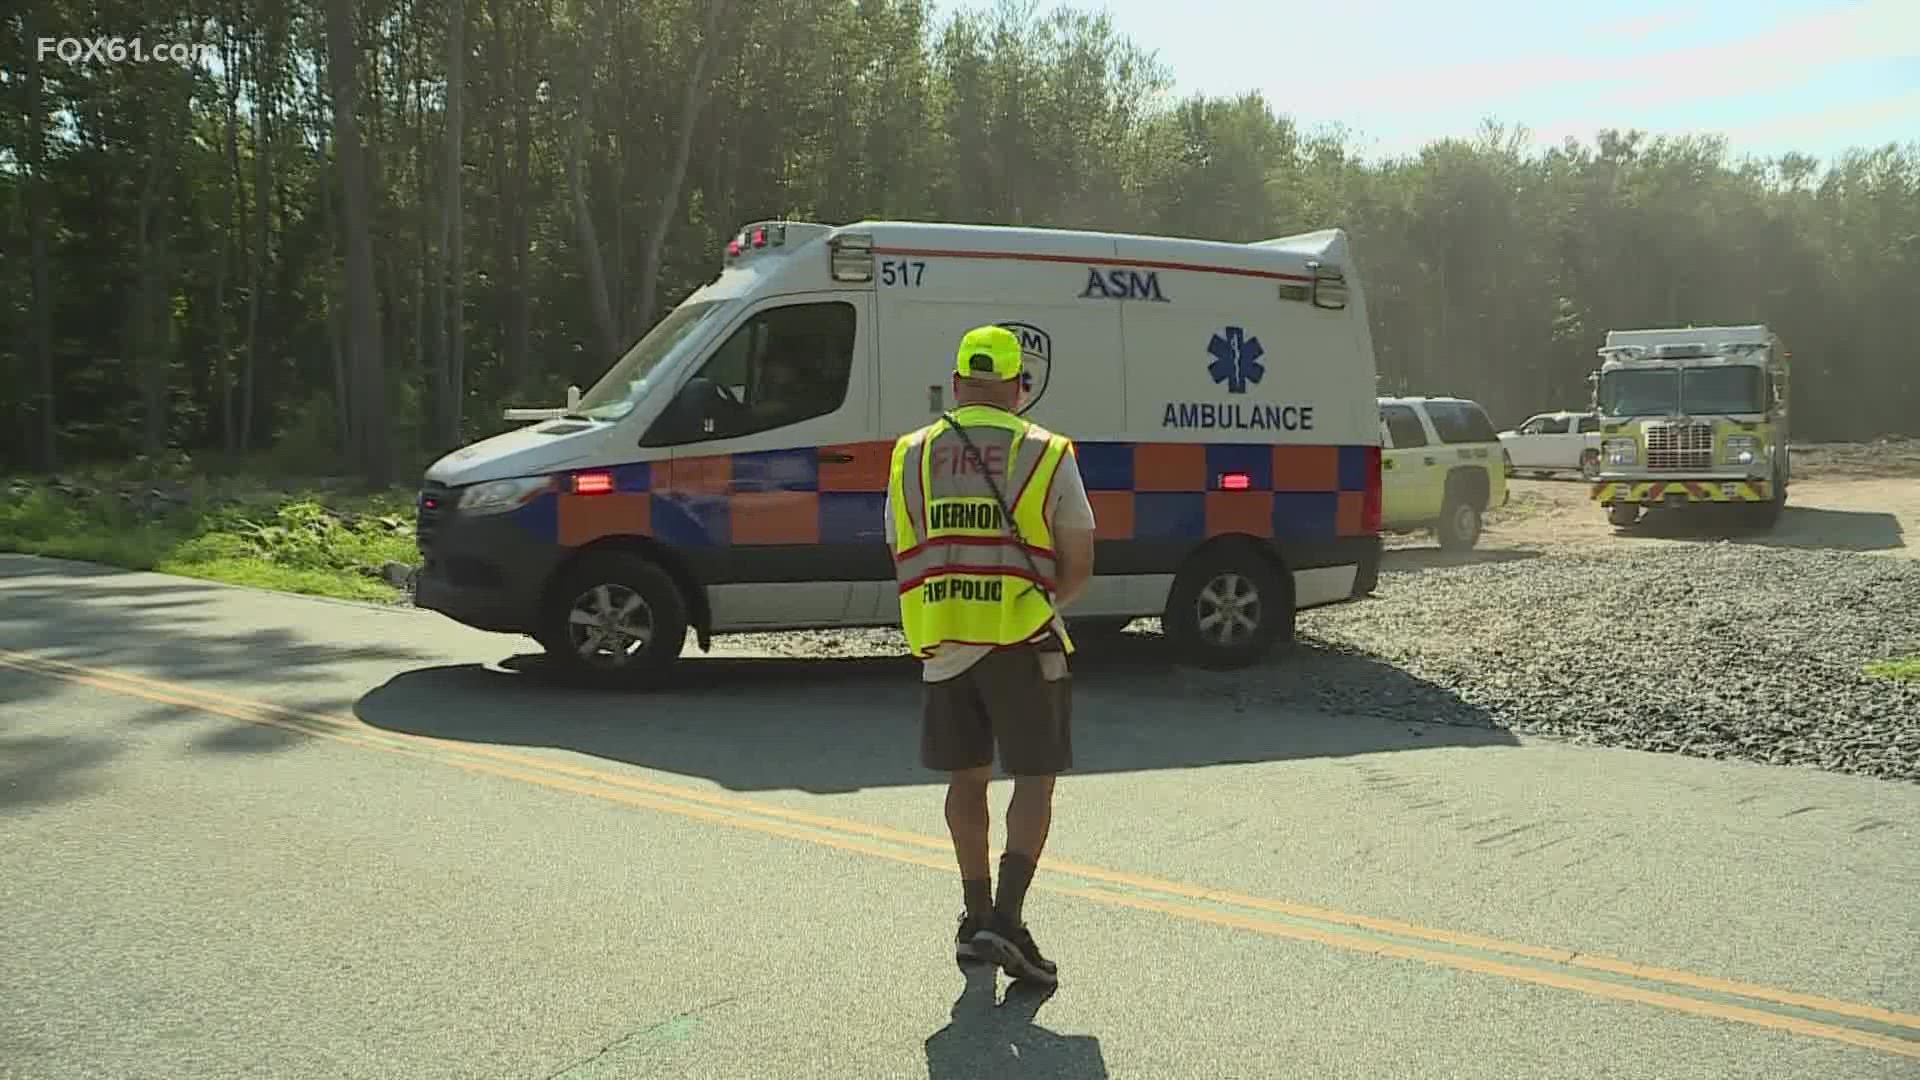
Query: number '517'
{"points": [[902, 272]]}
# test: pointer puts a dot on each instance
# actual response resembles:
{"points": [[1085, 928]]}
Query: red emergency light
{"points": [[1235, 481], [592, 483], [733, 248], [759, 238]]}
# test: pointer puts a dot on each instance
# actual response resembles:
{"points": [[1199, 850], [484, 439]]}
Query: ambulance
{"points": [[729, 472]]}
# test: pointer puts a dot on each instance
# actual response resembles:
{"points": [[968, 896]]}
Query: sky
{"points": [[1770, 75]]}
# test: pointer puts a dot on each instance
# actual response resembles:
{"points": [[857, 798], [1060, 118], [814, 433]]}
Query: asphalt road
{"points": [[243, 834]]}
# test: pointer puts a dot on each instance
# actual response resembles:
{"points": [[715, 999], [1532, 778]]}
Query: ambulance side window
{"points": [[785, 365]]}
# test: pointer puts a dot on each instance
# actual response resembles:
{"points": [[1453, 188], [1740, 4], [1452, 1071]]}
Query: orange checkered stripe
{"points": [[824, 495], [837, 494], [1192, 491]]}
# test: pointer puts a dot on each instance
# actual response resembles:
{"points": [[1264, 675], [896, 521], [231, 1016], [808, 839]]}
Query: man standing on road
{"points": [[992, 536]]}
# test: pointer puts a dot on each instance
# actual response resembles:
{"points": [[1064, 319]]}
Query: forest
{"points": [[348, 231]]}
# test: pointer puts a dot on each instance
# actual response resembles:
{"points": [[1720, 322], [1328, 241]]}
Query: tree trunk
{"points": [[583, 216], [520, 302], [265, 80], [145, 317], [230, 65], [331, 293], [676, 177], [44, 442], [363, 330], [453, 228]]}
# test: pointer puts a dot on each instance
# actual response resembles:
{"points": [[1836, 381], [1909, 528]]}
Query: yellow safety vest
{"points": [[962, 575]]}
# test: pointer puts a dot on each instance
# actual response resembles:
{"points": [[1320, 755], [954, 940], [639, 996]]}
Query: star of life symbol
{"points": [[1236, 359]]}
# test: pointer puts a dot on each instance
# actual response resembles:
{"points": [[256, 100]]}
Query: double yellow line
{"points": [[1866, 1026]]}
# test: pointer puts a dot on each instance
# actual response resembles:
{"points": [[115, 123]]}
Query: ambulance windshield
{"points": [[621, 388]]}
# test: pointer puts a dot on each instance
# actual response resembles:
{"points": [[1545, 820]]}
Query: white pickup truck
{"points": [[1554, 442]]}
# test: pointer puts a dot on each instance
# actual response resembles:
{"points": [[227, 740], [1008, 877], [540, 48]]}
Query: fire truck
{"points": [[1692, 418]]}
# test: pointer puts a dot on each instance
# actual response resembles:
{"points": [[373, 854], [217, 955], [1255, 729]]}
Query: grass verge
{"points": [[309, 541], [1906, 669]]}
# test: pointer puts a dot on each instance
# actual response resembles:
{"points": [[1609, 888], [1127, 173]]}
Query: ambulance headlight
{"points": [[500, 496], [1620, 451], [1741, 450]]}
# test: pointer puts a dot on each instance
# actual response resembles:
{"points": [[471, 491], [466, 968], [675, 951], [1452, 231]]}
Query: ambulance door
{"points": [[1073, 378], [771, 493]]}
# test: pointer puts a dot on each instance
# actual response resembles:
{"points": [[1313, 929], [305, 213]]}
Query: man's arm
{"points": [[1073, 557], [1071, 522]]}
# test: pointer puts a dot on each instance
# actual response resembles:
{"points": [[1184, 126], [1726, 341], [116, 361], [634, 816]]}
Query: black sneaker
{"points": [[963, 947], [1013, 949]]}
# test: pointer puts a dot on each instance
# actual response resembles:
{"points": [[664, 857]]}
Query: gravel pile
{"points": [[1719, 651], [1716, 650]]}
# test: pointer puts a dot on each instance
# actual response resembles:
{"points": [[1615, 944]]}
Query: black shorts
{"points": [[1002, 699]]}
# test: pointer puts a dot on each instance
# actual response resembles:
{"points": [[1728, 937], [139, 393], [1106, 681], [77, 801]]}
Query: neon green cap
{"points": [[989, 352]]}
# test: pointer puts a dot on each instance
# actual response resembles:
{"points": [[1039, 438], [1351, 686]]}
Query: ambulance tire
{"points": [[606, 584], [1230, 605]]}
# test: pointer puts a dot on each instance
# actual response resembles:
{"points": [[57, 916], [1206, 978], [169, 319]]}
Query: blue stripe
{"points": [[1353, 468], [541, 517], [694, 521], [1169, 515], [777, 470], [1254, 459], [1306, 515], [635, 476], [853, 517], [1105, 466]]}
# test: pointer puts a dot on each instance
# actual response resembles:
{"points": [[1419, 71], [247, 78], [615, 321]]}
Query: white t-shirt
{"points": [[1067, 508]]}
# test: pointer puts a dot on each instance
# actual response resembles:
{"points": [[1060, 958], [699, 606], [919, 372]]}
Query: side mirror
{"points": [[687, 418]]}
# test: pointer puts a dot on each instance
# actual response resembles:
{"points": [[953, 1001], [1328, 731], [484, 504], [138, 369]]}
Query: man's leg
{"points": [[956, 738], [970, 823], [1032, 721], [1029, 816]]}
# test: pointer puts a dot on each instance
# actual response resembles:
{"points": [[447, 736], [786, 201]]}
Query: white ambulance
{"points": [[728, 473]]}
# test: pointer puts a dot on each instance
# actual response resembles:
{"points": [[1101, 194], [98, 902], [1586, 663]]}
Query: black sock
{"points": [[979, 894], [1016, 873]]}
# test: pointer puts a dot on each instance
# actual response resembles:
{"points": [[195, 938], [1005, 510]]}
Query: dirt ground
{"points": [[1862, 497]]}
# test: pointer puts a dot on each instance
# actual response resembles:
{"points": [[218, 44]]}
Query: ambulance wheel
{"points": [[614, 620], [1228, 607]]}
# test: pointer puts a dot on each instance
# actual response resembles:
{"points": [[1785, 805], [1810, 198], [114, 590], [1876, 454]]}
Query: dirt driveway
{"points": [[1840, 501]]}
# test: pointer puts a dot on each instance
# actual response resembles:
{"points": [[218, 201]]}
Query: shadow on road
{"points": [[1805, 527], [986, 1041], [837, 725], [40, 769], [103, 617]]}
